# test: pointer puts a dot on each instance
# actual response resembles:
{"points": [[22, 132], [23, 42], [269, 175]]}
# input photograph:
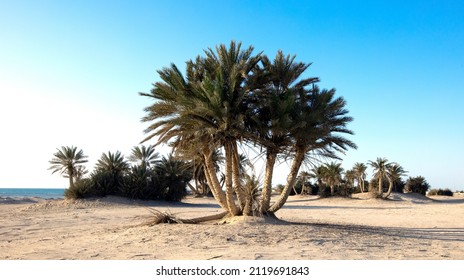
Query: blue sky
{"points": [[70, 73]]}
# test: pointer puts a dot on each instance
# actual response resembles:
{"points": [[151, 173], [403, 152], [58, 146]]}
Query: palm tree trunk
{"points": [[332, 190], [291, 178], [390, 188], [233, 210], [194, 190], [237, 181], [213, 181], [267, 185], [248, 203], [71, 182], [303, 180], [380, 185]]}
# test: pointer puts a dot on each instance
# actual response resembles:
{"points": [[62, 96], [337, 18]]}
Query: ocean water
{"points": [[31, 192]]}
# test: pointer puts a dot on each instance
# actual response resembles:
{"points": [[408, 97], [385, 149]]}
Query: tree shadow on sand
{"points": [[442, 234]]}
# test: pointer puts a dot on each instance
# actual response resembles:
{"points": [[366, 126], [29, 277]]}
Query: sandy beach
{"points": [[407, 227]]}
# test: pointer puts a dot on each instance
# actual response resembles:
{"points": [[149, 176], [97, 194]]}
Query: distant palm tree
{"points": [[380, 171], [190, 152], [80, 172], [350, 176], [394, 173], [144, 156], [360, 173], [68, 161], [333, 175], [317, 173], [303, 178], [109, 173], [113, 163], [172, 176]]}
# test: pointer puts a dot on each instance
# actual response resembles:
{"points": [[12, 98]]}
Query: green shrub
{"points": [[314, 190], [324, 191], [105, 183], [374, 186], [344, 190], [170, 179], [137, 184], [417, 185], [81, 189], [446, 192]]}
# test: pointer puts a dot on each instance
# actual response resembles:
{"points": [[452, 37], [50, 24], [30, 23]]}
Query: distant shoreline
{"points": [[28, 194]]}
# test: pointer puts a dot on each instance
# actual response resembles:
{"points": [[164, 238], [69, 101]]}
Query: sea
{"points": [[20, 193]]}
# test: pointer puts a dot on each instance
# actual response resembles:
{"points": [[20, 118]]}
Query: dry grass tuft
{"points": [[166, 218]]}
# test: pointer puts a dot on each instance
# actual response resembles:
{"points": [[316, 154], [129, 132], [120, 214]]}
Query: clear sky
{"points": [[70, 73]]}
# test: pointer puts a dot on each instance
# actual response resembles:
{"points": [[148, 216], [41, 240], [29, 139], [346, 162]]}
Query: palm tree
{"points": [[112, 162], [144, 156], [394, 174], [380, 166], [303, 178], [350, 177], [320, 120], [226, 98], [111, 168], [317, 173], [68, 162], [207, 107], [333, 175], [80, 172], [252, 205], [273, 103], [360, 173], [172, 176]]}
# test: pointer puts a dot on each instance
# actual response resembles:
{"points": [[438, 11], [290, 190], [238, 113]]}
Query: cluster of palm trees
{"points": [[386, 177], [229, 98], [142, 175]]}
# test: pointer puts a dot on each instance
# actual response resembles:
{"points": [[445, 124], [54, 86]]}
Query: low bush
{"points": [[81, 189], [344, 191], [324, 191], [417, 185], [445, 192]]}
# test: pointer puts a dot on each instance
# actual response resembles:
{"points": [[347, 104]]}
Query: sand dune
{"points": [[406, 227]]}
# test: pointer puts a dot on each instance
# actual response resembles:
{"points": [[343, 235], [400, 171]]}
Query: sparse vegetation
{"points": [[445, 192], [81, 189]]}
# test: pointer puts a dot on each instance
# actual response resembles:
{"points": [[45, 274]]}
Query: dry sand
{"points": [[407, 227]]}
